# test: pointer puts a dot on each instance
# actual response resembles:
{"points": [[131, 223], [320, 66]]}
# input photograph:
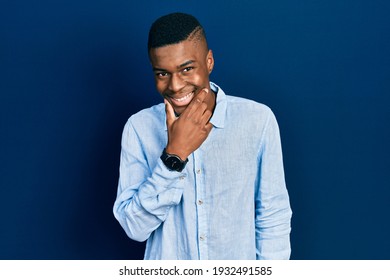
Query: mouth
{"points": [[187, 96], [182, 101]]}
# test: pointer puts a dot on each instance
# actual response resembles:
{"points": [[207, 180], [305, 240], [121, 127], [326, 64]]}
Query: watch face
{"points": [[174, 163]]}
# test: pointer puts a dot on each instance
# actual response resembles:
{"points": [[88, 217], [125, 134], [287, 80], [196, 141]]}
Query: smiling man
{"points": [[201, 176]]}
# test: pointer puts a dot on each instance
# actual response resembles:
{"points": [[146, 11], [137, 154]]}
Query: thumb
{"points": [[170, 113]]}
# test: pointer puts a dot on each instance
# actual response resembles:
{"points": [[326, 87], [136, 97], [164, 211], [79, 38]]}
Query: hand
{"points": [[187, 132]]}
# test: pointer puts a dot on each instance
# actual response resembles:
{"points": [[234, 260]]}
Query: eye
{"points": [[187, 69], [161, 74]]}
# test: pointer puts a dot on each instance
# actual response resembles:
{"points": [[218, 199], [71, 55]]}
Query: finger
{"points": [[196, 116], [201, 96], [206, 117], [170, 113], [196, 102], [208, 127]]}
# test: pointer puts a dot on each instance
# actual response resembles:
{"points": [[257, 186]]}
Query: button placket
{"points": [[200, 204]]}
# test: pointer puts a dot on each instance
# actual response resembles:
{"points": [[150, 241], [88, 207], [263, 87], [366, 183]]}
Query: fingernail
{"points": [[206, 90]]}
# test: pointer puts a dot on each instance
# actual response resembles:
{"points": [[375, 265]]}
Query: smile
{"points": [[184, 97]]}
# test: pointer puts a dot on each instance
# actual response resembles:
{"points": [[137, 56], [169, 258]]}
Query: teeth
{"points": [[185, 97]]}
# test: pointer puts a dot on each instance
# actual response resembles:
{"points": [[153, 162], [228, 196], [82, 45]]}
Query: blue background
{"points": [[72, 72]]}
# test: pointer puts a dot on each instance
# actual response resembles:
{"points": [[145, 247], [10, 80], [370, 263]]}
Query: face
{"points": [[181, 71]]}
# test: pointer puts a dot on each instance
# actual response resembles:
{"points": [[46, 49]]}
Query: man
{"points": [[201, 177]]}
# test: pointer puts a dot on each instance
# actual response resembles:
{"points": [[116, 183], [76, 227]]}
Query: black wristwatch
{"points": [[173, 162]]}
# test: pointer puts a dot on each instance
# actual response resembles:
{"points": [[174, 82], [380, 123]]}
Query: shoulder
{"points": [[241, 101], [248, 108]]}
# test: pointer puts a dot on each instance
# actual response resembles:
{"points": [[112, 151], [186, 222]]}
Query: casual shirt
{"points": [[230, 201]]}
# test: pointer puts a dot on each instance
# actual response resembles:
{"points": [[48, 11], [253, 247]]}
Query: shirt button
{"points": [[202, 238], [182, 178], [198, 171], [200, 202]]}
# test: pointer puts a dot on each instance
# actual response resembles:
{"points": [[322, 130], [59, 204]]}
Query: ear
{"points": [[210, 61]]}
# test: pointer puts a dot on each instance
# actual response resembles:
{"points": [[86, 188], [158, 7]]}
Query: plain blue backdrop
{"points": [[72, 72]]}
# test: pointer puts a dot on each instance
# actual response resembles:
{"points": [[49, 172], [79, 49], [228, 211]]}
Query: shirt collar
{"points": [[218, 118], [219, 115]]}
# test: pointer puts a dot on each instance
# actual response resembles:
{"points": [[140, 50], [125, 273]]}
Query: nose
{"points": [[176, 83]]}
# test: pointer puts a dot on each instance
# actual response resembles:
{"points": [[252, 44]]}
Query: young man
{"points": [[201, 177]]}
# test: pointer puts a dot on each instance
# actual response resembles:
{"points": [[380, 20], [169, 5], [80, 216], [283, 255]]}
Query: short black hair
{"points": [[174, 28]]}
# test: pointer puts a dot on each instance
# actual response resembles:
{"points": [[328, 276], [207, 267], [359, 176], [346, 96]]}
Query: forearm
{"points": [[141, 208], [273, 227]]}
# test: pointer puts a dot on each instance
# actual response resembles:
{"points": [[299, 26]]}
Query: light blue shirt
{"points": [[230, 201]]}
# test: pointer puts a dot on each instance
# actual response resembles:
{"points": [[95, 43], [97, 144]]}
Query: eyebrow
{"points": [[178, 67], [186, 63]]}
